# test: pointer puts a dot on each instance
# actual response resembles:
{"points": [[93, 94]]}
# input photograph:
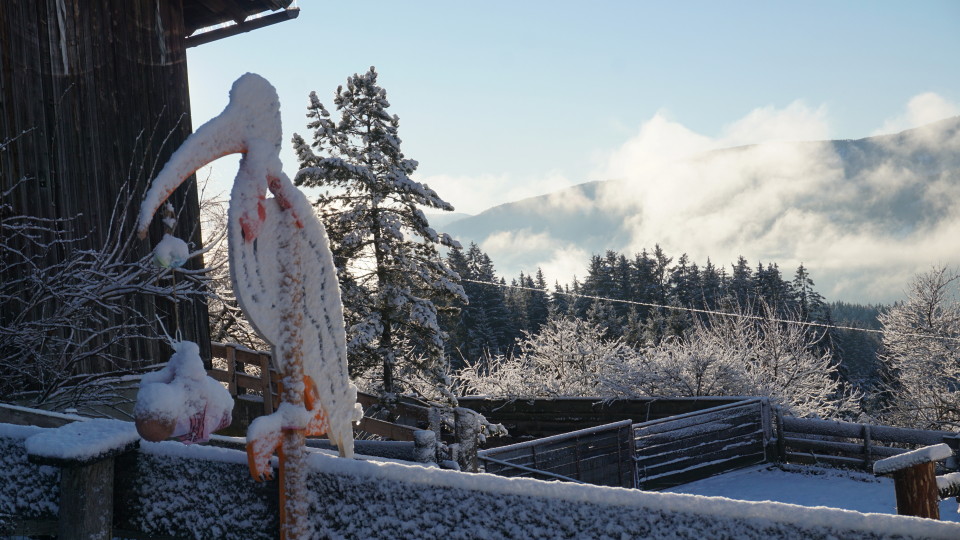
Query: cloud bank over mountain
{"points": [[862, 215]]}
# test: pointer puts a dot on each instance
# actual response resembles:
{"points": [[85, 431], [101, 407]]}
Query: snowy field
{"points": [[809, 486]]}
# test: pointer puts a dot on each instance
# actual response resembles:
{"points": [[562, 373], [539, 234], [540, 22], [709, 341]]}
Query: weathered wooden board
{"points": [[699, 472], [749, 442]]}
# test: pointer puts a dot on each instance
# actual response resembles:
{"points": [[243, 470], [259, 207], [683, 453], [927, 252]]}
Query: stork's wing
{"points": [[255, 271]]}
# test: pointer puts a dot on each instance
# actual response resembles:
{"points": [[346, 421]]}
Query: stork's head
{"points": [[250, 124]]}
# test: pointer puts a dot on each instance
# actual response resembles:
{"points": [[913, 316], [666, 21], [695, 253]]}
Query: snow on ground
{"points": [[809, 486]]}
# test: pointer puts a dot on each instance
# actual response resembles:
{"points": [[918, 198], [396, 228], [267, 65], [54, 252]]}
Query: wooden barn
{"points": [[93, 100]]}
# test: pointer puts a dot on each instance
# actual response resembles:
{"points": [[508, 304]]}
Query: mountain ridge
{"points": [[893, 187]]}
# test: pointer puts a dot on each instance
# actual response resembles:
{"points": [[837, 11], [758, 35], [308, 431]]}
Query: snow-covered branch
{"points": [[68, 313]]}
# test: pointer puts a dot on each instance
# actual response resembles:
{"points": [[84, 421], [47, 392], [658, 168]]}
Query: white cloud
{"points": [[474, 194], [795, 122], [528, 251], [787, 203], [921, 109]]}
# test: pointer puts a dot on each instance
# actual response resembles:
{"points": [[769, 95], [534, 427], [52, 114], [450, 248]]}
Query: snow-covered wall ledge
{"points": [[27, 491], [206, 492]]}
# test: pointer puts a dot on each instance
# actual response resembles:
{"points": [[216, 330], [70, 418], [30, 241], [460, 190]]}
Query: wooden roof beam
{"points": [[242, 27]]}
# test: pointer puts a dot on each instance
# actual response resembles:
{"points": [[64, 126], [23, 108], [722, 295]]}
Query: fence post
{"points": [[781, 437], [86, 501], [766, 426], [231, 358], [467, 428], [86, 465], [424, 446], [866, 446], [915, 479], [435, 422]]}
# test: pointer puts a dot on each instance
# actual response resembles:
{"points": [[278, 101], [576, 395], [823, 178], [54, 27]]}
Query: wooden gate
{"points": [[602, 455], [693, 446]]}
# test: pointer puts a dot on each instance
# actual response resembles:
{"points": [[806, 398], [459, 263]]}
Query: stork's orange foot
{"points": [[259, 452]]}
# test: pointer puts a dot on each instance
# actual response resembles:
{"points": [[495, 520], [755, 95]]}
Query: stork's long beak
{"points": [[213, 140]]}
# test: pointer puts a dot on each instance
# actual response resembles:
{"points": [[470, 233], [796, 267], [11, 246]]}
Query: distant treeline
{"points": [[652, 285]]}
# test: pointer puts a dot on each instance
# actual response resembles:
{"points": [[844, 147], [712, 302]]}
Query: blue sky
{"points": [[501, 100]]}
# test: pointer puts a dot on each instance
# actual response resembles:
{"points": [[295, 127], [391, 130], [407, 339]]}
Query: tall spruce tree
{"points": [[392, 276]]}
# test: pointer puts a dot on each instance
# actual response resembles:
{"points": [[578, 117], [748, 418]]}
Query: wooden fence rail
{"points": [[249, 376], [849, 444]]}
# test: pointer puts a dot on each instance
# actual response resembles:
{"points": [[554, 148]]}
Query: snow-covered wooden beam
{"points": [[915, 479]]}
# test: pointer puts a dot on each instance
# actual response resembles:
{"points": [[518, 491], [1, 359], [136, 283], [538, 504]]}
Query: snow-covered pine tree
{"points": [[392, 276], [480, 328]]}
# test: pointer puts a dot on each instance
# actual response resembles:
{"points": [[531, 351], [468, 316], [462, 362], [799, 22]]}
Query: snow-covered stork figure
{"points": [[285, 281]]}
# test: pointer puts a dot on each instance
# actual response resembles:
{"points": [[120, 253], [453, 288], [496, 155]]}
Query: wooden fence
{"points": [[526, 418], [250, 377], [697, 445], [849, 444], [602, 455]]}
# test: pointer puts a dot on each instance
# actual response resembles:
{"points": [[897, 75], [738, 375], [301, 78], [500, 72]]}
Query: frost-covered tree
{"points": [[725, 356], [921, 351], [781, 360], [391, 275], [568, 357]]}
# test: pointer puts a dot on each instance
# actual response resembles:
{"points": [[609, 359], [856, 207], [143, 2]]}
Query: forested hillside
{"points": [[648, 297]]}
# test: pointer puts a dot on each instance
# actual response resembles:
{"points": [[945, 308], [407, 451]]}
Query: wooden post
{"points": [[86, 472], [915, 480], [781, 438], [866, 446], [266, 381], [86, 502], [435, 422], [294, 505], [917, 493], [231, 357], [467, 427], [424, 446]]}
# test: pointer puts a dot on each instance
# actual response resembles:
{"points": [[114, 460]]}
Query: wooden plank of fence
{"points": [[736, 420], [821, 459], [699, 472], [719, 451], [856, 450], [696, 417], [600, 455], [853, 430], [389, 430], [706, 444]]}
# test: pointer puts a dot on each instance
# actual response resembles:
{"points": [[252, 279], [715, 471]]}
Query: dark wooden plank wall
{"points": [[100, 89], [601, 456], [698, 445], [536, 418]]}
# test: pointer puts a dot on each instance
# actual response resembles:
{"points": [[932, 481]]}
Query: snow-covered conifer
{"points": [[391, 274]]}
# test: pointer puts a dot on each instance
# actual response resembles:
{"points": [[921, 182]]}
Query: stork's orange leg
{"points": [[262, 448]]}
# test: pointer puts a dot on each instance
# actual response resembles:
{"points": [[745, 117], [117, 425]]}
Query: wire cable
{"points": [[713, 312]]}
